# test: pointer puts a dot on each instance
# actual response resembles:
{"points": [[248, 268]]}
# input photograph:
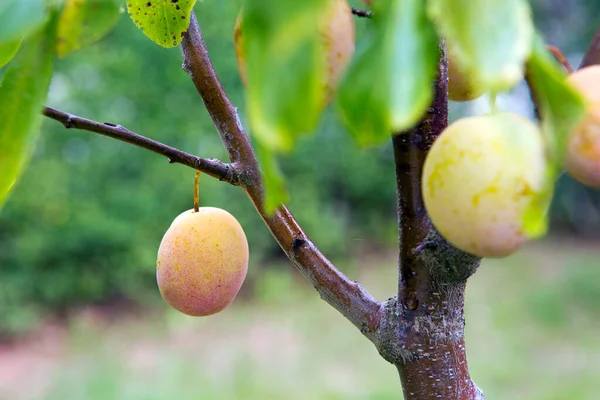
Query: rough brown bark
{"points": [[432, 274]]}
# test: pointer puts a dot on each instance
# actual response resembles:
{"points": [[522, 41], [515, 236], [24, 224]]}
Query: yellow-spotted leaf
{"points": [[8, 50], [163, 21], [23, 91], [82, 22], [389, 85], [489, 39]]}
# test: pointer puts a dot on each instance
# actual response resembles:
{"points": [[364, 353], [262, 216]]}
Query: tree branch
{"points": [[347, 296], [212, 167], [197, 64], [592, 55]]}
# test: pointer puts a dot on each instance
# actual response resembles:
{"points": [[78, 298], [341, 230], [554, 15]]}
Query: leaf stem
{"points": [[560, 57]]}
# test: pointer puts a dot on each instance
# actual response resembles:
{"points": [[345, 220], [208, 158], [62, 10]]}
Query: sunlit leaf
{"points": [[20, 17], [22, 94], [489, 39], [275, 192], [535, 219], [8, 50], [286, 68], [561, 109], [561, 106], [83, 22], [389, 86], [163, 21]]}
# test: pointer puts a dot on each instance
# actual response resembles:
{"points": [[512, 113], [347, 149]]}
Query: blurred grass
{"points": [[532, 332]]}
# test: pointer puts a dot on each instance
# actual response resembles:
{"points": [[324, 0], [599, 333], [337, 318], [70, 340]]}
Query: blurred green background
{"points": [[80, 312]]}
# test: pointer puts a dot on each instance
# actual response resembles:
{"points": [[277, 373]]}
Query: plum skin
{"points": [[338, 40], [460, 86], [480, 177], [583, 153], [202, 261]]}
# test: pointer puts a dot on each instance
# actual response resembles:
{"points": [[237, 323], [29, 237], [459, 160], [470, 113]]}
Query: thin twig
{"points": [[345, 295], [212, 167], [362, 13], [560, 57]]}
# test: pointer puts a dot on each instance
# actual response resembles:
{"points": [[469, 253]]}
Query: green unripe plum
{"points": [[460, 87], [480, 177], [202, 261], [583, 154], [338, 41]]}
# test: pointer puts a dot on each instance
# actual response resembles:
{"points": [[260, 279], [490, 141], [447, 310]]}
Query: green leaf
{"points": [[23, 91], [489, 39], [286, 68], [561, 109], [82, 22], [163, 21], [535, 220], [274, 191], [8, 50], [561, 106], [389, 86], [20, 17]]}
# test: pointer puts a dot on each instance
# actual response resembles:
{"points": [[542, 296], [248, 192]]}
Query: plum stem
{"points": [[197, 191]]}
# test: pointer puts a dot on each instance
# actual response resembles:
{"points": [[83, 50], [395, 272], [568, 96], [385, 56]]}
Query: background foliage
{"points": [[84, 223]]}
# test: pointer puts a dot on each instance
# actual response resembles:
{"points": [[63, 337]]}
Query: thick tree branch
{"points": [[426, 339], [347, 296], [592, 55], [212, 167]]}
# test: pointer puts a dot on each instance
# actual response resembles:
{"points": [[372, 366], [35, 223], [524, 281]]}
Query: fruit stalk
{"points": [[196, 191], [432, 274]]}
